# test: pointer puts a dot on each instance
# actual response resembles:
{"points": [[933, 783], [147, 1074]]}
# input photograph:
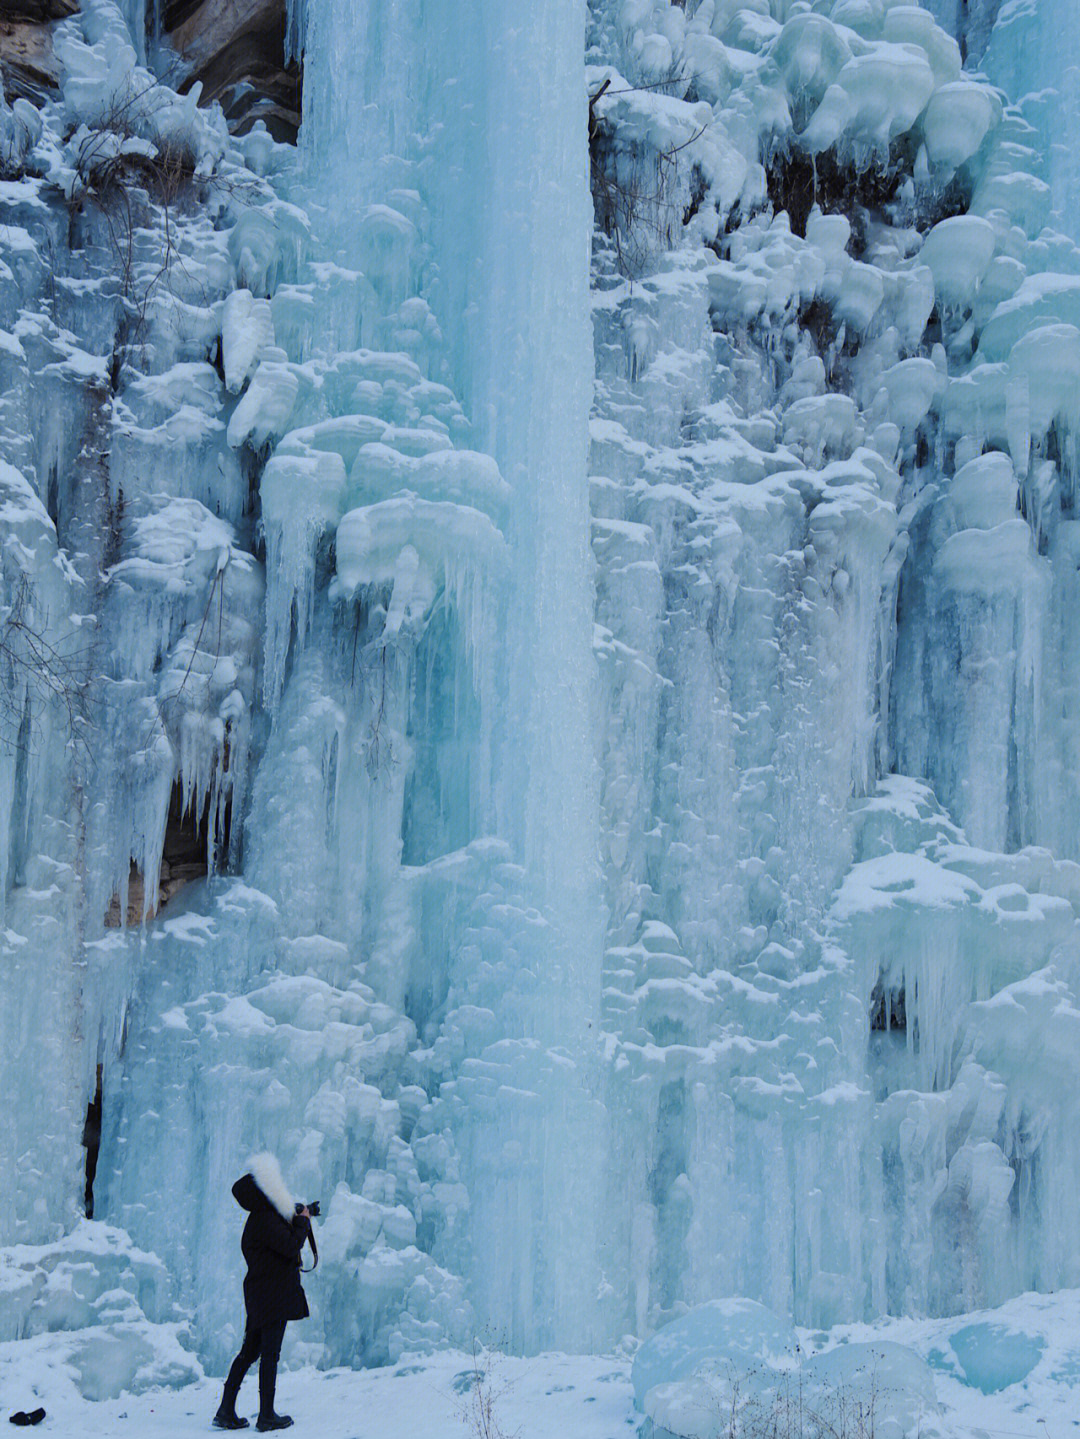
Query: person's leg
{"points": [[272, 1335], [249, 1352]]}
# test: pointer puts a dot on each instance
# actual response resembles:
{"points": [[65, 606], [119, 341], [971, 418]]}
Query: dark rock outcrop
{"points": [[26, 51], [40, 11], [236, 49]]}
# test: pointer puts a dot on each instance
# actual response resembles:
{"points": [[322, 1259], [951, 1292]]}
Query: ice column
{"points": [[479, 113], [1034, 55], [530, 387]]}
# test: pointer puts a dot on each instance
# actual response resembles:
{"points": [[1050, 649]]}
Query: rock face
{"points": [[236, 49], [26, 53], [39, 11]]}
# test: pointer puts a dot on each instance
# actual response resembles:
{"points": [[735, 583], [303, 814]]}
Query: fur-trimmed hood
{"points": [[264, 1183]]}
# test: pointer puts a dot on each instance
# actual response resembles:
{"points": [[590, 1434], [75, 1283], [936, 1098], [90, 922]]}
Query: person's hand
{"points": [[305, 1212]]}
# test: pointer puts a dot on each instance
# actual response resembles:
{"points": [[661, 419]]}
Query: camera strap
{"points": [[314, 1250]]}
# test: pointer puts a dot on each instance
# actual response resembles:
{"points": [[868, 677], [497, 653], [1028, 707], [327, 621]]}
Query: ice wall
{"points": [[1034, 55], [472, 125], [832, 507], [350, 631], [595, 933], [970, 21], [915, 632]]}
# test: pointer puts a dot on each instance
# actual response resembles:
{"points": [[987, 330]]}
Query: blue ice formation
{"points": [[537, 670]]}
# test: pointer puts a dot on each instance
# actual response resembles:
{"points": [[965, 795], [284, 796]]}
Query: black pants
{"points": [[264, 1345]]}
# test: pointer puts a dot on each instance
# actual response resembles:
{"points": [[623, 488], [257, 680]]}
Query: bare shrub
{"points": [[482, 1392], [35, 672], [634, 190]]}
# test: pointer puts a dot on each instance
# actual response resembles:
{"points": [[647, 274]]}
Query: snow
{"points": [[246, 328], [1011, 1371], [425, 1397]]}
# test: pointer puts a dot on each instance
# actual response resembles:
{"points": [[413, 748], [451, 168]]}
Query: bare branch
{"points": [[35, 672]]}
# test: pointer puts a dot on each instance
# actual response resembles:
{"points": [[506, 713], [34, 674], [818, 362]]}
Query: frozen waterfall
{"points": [[537, 671]]}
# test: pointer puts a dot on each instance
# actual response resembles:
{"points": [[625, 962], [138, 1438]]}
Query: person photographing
{"points": [[276, 1231]]}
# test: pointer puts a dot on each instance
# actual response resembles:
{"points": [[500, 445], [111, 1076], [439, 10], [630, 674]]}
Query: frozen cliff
{"points": [[600, 928]]}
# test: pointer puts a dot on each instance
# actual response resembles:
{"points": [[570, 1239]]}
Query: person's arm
{"points": [[285, 1239]]}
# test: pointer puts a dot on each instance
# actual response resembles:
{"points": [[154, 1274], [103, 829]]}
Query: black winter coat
{"points": [[271, 1245]]}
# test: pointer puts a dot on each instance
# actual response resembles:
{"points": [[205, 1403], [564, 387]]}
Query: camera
{"points": [[313, 1208]]}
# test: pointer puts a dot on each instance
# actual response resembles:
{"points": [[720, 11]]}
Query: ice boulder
{"points": [[883, 1388], [726, 1334], [958, 119], [912, 387], [993, 1356], [810, 52], [246, 328], [877, 96], [983, 493], [912, 25], [733, 1366], [959, 251], [697, 1408], [95, 1313]]}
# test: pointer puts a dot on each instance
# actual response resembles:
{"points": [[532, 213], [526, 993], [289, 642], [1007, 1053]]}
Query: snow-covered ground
{"points": [[1024, 1355], [423, 1398]]}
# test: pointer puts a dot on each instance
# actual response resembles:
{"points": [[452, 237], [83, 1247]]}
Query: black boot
{"points": [[272, 1421], [229, 1419]]}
